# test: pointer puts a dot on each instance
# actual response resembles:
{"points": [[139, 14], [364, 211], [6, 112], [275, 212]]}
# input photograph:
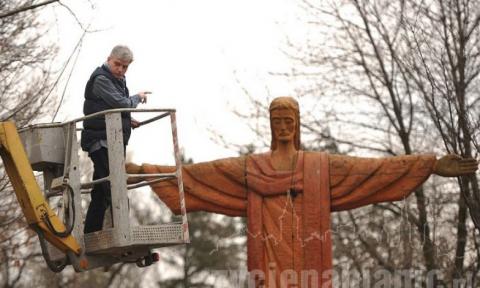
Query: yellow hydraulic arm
{"points": [[33, 203]]}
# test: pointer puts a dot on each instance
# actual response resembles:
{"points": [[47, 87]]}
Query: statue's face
{"points": [[283, 124]]}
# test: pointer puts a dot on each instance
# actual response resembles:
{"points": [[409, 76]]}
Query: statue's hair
{"points": [[122, 52], [291, 104]]}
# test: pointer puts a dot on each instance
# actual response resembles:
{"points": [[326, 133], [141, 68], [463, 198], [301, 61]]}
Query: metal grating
{"points": [[142, 236], [157, 234], [99, 240]]}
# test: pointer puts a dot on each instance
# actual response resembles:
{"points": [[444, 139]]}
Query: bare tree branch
{"points": [[26, 8]]}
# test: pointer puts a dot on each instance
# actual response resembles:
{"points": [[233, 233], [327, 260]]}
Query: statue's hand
{"points": [[452, 165], [132, 168]]}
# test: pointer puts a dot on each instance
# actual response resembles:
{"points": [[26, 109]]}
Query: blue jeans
{"points": [[101, 195]]}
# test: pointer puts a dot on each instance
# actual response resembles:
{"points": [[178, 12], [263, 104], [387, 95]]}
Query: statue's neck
{"points": [[284, 157]]}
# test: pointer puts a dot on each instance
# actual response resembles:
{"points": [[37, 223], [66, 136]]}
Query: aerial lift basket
{"points": [[53, 150]]}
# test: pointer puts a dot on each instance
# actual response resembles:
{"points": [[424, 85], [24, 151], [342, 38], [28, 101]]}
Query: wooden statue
{"points": [[288, 194]]}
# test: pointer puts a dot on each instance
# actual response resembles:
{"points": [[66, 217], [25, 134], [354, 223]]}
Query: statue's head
{"points": [[284, 112]]}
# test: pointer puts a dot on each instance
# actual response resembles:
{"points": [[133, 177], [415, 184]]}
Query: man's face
{"points": [[117, 66], [283, 124]]}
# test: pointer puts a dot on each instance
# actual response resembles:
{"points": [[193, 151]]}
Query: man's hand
{"points": [[453, 165], [143, 96], [134, 123]]}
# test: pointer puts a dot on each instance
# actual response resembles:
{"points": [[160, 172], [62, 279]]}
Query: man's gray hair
{"points": [[122, 52]]}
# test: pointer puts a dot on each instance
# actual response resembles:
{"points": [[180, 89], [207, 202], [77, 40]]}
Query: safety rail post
{"points": [[70, 180], [73, 180], [118, 187], [178, 164]]}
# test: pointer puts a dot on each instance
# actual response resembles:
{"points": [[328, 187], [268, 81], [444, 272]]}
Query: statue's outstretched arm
{"points": [[215, 186], [357, 181]]}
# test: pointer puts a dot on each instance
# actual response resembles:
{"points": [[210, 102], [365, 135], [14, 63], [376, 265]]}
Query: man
{"points": [[106, 89], [288, 195]]}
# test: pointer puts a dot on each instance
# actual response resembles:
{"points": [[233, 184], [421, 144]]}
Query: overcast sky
{"points": [[188, 53]]}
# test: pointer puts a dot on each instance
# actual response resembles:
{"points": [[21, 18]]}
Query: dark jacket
{"points": [[94, 129]]}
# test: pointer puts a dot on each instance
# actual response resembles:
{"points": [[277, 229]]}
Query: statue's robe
{"points": [[289, 237]]}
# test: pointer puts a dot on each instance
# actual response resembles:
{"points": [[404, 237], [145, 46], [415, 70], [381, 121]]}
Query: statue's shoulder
{"points": [[306, 152], [234, 161], [230, 165], [336, 160], [259, 156], [228, 161]]}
